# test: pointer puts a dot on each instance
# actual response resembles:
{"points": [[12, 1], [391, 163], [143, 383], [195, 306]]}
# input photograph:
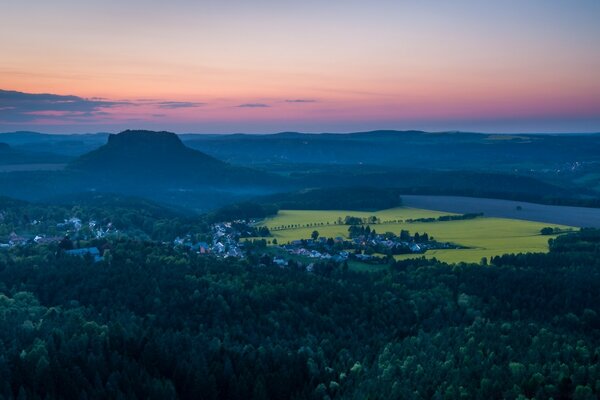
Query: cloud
{"points": [[20, 107], [178, 104], [253, 105], [23, 107], [300, 101]]}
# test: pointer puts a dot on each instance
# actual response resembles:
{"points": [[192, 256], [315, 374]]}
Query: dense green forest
{"points": [[130, 216], [151, 321], [336, 198]]}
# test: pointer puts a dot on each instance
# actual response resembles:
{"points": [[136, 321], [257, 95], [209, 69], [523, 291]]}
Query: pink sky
{"points": [[272, 66]]}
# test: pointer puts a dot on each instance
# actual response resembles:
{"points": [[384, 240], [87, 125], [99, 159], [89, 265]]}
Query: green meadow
{"points": [[483, 237]]}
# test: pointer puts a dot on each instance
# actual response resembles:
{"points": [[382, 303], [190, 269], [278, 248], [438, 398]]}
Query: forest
{"points": [[152, 321]]}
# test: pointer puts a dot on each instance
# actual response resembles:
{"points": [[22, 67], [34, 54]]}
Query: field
{"points": [[562, 215], [484, 237]]}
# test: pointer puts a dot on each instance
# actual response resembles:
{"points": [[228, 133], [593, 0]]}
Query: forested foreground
{"points": [[152, 322]]}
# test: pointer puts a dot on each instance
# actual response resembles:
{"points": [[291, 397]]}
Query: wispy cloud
{"points": [[24, 107], [20, 107], [300, 101], [178, 104], [253, 105]]}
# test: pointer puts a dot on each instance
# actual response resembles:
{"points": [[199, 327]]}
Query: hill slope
{"points": [[71, 145], [444, 150], [146, 152], [146, 157], [9, 155]]}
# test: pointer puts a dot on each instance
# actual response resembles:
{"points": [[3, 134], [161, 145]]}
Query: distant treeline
{"points": [[360, 199], [442, 218], [337, 198], [552, 199], [453, 183], [245, 210]]}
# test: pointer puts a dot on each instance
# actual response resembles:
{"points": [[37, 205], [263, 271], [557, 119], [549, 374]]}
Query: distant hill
{"points": [[413, 149], [134, 152], [10, 156], [149, 165], [154, 158], [65, 145], [21, 137], [162, 166]]}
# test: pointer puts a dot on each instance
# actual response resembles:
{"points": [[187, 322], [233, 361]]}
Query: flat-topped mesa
{"points": [[148, 140], [138, 157], [146, 154]]}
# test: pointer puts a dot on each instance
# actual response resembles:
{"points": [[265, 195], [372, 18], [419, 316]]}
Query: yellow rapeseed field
{"points": [[484, 237]]}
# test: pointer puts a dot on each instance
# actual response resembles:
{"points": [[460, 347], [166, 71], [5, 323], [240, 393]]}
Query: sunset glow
{"points": [[268, 66]]}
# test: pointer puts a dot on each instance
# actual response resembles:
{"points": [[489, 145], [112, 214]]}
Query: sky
{"points": [[73, 66]]}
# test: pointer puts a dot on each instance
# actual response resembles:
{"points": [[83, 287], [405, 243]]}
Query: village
{"points": [[73, 228], [364, 245], [239, 238], [225, 239]]}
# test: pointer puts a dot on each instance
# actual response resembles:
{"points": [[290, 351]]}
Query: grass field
{"points": [[484, 237], [547, 214]]}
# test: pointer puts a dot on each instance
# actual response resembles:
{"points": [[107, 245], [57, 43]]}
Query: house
{"points": [[47, 240], [314, 254], [201, 248], [234, 252], [16, 240], [219, 247], [76, 222], [416, 248], [280, 262]]}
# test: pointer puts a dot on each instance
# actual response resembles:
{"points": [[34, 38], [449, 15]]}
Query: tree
{"points": [[314, 235], [66, 243], [547, 231], [405, 235]]}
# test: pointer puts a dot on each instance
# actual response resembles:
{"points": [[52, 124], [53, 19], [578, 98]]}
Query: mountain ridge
{"points": [[142, 151], [138, 156]]}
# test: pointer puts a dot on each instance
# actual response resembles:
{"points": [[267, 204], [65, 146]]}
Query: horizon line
{"points": [[305, 132]]}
